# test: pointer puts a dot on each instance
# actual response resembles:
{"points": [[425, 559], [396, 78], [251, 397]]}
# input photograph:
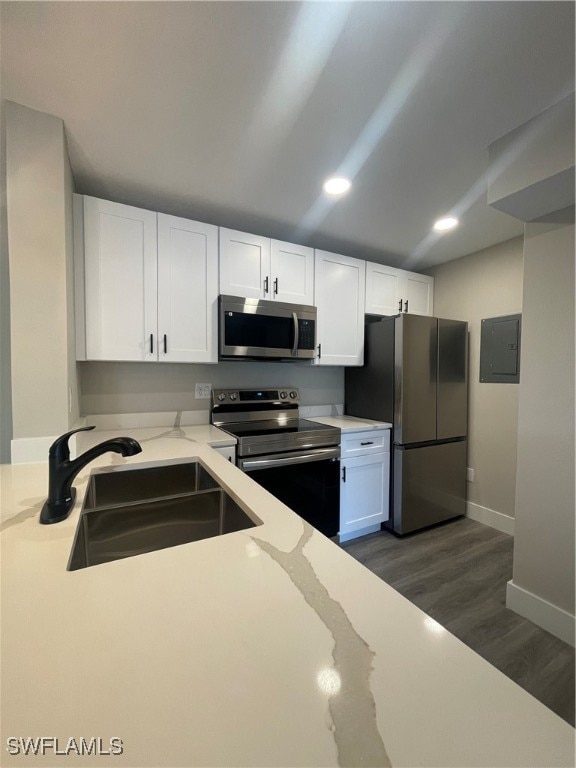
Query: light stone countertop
{"points": [[351, 423], [265, 647]]}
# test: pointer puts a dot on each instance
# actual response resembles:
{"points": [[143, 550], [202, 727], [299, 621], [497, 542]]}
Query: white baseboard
{"points": [[342, 537], [490, 517], [547, 615]]}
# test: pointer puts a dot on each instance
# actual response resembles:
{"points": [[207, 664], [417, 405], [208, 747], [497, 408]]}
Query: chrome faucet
{"points": [[62, 471]]}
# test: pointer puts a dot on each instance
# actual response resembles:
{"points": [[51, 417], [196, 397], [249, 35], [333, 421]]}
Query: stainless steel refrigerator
{"points": [[415, 376]]}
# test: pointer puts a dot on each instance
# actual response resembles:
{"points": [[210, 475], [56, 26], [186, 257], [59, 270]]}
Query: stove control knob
{"points": [[293, 394], [233, 396], [283, 395], [221, 396]]}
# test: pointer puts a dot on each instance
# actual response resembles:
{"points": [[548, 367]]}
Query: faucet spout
{"points": [[62, 471]]}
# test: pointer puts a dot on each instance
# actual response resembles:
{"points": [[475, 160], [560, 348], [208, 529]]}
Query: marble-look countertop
{"points": [[351, 423], [265, 647]]}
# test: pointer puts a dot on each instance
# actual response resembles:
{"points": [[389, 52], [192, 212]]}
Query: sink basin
{"points": [[122, 486], [131, 512]]}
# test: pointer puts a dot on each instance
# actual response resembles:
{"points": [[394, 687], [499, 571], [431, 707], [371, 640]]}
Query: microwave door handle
{"points": [[295, 347]]}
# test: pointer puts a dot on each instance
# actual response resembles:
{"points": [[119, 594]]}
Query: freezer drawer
{"points": [[429, 485]]}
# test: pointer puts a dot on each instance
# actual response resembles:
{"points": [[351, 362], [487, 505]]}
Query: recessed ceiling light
{"points": [[336, 186], [443, 225]]}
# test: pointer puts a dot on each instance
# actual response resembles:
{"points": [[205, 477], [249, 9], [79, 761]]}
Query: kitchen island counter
{"points": [[265, 647]]}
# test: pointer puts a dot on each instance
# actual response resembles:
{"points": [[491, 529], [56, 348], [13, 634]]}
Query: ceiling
{"points": [[235, 112]]}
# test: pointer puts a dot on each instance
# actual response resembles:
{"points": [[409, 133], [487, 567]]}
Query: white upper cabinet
{"points": [[120, 281], [383, 289], [390, 291], [187, 290], [292, 273], [340, 297], [150, 285], [244, 264], [258, 268], [418, 294]]}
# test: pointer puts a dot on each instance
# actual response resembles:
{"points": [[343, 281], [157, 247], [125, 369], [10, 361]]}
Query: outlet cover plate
{"points": [[203, 391]]}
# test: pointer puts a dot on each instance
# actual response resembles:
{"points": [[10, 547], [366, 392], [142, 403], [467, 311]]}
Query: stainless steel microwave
{"points": [[258, 329]]}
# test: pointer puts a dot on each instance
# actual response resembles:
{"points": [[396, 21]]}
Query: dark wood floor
{"points": [[457, 574]]}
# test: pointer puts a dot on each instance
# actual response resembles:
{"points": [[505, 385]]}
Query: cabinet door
{"points": [[339, 288], [187, 290], [244, 265], [292, 273], [364, 492], [419, 293], [121, 282], [383, 289], [229, 452]]}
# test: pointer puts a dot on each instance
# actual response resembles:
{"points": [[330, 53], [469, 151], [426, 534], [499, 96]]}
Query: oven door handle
{"points": [[296, 334], [299, 458]]}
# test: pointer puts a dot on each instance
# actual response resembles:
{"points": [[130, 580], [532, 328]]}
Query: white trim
{"points": [[490, 517], [26, 450], [79, 286], [547, 615], [31, 450]]}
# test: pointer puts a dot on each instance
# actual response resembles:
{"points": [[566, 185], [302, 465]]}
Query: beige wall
{"points": [[544, 537], [152, 387], [5, 367], [481, 285], [39, 205]]}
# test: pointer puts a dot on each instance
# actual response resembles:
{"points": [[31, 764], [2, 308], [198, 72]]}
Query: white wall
{"points": [[39, 223], [481, 285], [158, 387], [543, 582]]}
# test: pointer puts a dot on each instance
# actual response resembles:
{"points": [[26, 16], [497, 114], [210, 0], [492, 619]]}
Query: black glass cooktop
{"points": [[259, 428]]}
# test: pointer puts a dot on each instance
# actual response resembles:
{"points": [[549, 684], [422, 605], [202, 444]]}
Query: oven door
{"points": [[306, 481]]}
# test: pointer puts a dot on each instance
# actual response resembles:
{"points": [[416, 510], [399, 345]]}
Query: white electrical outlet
{"points": [[203, 391], [470, 475]]}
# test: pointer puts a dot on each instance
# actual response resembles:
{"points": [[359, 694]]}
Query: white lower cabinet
{"points": [[364, 483], [228, 451]]}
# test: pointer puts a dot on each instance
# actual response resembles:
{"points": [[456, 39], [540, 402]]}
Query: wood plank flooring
{"points": [[457, 573]]}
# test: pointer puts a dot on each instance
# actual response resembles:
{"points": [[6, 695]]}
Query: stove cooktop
{"points": [[258, 428], [264, 437], [267, 421]]}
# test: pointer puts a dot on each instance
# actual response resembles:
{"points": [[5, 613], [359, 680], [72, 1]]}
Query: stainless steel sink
{"points": [[122, 485], [131, 512]]}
